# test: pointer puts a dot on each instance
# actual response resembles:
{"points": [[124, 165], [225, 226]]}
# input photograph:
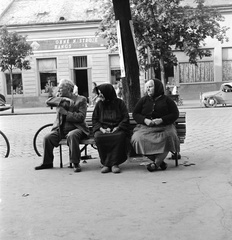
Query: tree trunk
{"points": [[131, 83], [12, 92]]}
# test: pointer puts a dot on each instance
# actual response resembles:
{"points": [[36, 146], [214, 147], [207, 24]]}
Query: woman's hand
{"points": [[157, 121], [148, 122], [103, 130], [115, 129], [153, 122]]}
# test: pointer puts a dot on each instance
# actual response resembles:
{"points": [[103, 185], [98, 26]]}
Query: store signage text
{"points": [[67, 43]]}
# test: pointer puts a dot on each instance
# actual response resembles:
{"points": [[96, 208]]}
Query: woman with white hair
{"points": [[155, 135]]}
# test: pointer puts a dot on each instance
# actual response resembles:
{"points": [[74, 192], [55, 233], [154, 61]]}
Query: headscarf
{"points": [[107, 91], [159, 88]]}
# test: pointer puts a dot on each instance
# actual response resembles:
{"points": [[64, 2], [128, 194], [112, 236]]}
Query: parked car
{"points": [[222, 96]]}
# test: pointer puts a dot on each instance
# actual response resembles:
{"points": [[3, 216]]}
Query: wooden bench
{"points": [[180, 127]]}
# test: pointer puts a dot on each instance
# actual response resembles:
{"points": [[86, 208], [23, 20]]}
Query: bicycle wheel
{"points": [[4, 145], [38, 138]]}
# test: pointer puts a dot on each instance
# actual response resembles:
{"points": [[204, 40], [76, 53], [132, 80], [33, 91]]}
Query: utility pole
{"points": [[131, 83]]}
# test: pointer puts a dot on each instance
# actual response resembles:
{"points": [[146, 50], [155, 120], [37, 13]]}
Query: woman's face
{"points": [[101, 95], [150, 88]]}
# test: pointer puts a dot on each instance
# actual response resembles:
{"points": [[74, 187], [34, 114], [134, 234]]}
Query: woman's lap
{"points": [[111, 147], [148, 140]]}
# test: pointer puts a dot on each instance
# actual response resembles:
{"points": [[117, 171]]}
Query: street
{"points": [[207, 128], [191, 201]]}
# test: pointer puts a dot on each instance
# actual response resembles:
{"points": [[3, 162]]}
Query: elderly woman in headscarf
{"points": [[111, 129], [155, 134]]}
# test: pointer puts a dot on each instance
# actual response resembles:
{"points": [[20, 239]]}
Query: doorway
{"points": [[81, 80]]}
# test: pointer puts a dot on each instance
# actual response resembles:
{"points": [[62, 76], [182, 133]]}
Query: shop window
{"points": [[17, 83], [115, 76], [48, 75]]}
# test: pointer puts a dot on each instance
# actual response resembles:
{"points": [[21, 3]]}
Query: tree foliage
{"points": [[13, 52], [162, 26]]}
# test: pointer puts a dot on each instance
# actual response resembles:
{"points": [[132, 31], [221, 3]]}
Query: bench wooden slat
{"points": [[180, 127]]}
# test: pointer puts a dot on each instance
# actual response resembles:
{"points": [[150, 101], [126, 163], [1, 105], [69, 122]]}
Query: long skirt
{"points": [[155, 140], [112, 147]]}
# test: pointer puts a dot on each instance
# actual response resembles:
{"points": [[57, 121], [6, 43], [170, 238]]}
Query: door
{"points": [[81, 80], [227, 94]]}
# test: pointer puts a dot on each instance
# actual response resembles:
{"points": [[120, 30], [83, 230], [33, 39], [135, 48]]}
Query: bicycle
{"points": [[4, 142], [45, 129], [4, 145], [38, 138]]}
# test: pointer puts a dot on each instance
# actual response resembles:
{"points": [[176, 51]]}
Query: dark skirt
{"points": [[154, 140], [112, 147]]}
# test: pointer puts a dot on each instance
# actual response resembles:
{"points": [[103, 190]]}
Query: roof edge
{"points": [[52, 23], [6, 9]]}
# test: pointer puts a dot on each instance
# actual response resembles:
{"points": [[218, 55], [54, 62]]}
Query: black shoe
{"points": [[151, 167], [77, 167], [163, 165], [44, 166]]}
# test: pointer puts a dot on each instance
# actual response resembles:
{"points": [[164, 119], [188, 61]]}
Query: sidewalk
{"points": [[188, 202]]}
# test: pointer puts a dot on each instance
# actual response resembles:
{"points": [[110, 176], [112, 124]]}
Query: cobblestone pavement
{"points": [[209, 128], [20, 130], [187, 202], [206, 129]]}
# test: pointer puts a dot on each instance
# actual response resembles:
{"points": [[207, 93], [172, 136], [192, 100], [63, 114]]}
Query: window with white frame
{"points": [[17, 83], [48, 75], [226, 64]]}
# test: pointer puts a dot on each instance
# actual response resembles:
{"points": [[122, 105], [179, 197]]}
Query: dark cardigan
{"points": [[111, 115], [163, 107]]}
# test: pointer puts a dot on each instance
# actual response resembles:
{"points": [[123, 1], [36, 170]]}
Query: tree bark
{"points": [[131, 83], [162, 72], [12, 92]]}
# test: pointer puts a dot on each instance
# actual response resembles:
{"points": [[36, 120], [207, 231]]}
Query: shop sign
{"points": [[67, 43]]}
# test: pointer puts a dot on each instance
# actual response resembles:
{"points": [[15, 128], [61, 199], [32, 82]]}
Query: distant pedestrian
{"points": [[95, 95], [119, 90]]}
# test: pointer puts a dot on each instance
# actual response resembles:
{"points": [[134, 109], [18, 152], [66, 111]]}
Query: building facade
{"points": [[62, 50], [211, 71], [65, 45]]}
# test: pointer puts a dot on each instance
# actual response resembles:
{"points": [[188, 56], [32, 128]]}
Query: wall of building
{"points": [[63, 43], [221, 60], [56, 42]]}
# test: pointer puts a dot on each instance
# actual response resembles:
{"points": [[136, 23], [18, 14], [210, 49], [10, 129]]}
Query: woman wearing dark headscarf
{"points": [[155, 135], [111, 128]]}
